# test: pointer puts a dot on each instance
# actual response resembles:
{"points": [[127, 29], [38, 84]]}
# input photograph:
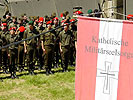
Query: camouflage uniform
{"points": [[24, 20], [12, 57], [48, 42], [31, 45], [39, 47], [65, 41], [56, 54], [0, 51], [13, 24], [5, 37], [21, 51], [9, 21], [73, 29]]}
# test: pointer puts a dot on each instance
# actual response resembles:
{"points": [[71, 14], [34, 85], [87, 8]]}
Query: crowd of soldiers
{"points": [[56, 47]]}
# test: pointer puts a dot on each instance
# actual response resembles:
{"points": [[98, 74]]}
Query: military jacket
{"points": [[13, 38], [1, 42], [48, 38], [28, 34], [13, 25], [40, 30], [65, 38], [21, 36], [57, 31], [25, 23], [4, 37], [74, 32]]}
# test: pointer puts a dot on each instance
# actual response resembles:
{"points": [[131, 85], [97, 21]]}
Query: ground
{"points": [[59, 86]]}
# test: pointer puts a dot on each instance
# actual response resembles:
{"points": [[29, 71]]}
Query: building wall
{"points": [[43, 7], [129, 7]]}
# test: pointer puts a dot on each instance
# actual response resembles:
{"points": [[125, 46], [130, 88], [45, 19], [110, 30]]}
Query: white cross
{"points": [[107, 74]]}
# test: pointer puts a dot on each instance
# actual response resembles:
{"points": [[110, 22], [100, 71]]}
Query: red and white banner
{"points": [[104, 64]]}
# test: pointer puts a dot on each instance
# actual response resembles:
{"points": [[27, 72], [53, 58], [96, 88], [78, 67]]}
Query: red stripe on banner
{"points": [[86, 60], [125, 82]]}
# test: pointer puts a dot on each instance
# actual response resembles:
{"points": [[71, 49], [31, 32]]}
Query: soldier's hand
{"points": [[25, 50], [61, 50], [8, 55], [44, 50]]}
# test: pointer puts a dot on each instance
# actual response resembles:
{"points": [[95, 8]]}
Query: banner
{"points": [[104, 63]]}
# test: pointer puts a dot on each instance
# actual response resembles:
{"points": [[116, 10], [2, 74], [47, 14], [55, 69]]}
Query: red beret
{"points": [[41, 19], [56, 18], [66, 24], [4, 24], [61, 15], [63, 21], [49, 22], [12, 28], [22, 29], [129, 16], [78, 12], [72, 20]]}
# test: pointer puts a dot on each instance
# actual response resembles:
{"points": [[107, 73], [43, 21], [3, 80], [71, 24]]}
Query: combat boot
{"points": [[47, 72], [14, 74]]}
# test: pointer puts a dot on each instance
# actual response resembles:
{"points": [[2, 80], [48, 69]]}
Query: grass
{"points": [[59, 86]]}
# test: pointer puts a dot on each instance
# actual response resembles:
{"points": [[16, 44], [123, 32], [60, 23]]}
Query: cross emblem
{"points": [[108, 75]]}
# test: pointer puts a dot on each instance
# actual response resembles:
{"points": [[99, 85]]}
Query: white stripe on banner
{"points": [[110, 39]]}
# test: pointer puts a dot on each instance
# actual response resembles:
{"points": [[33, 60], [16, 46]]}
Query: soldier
{"points": [[53, 15], [46, 19], [77, 8], [0, 22], [12, 52], [67, 17], [36, 20], [8, 19], [25, 20], [97, 13], [14, 22], [48, 42], [4, 37], [73, 29], [56, 24], [77, 11], [21, 34], [40, 28], [89, 12], [62, 17], [130, 17], [20, 22], [65, 40], [0, 51], [29, 46]]}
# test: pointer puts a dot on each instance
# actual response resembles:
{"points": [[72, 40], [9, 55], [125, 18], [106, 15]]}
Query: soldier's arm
{"points": [[42, 43], [60, 42], [60, 47], [43, 46], [25, 45], [76, 45], [75, 38], [25, 49]]}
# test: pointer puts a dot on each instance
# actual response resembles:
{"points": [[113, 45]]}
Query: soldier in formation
{"points": [[48, 50]]}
